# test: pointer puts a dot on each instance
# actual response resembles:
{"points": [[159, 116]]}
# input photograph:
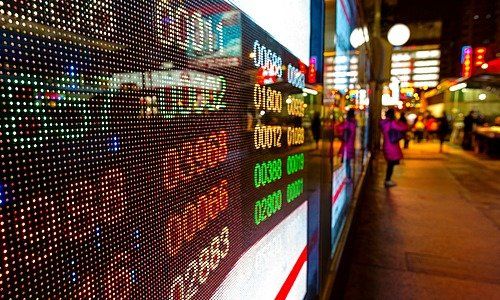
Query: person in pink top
{"points": [[392, 129], [348, 131]]}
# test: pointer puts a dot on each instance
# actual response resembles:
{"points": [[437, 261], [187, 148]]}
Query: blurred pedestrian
{"points": [[470, 121], [431, 127], [443, 130], [418, 129], [347, 130], [406, 137], [316, 128], [392, 131]]}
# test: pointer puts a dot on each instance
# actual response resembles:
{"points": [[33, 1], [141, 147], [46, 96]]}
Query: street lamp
{"points": [[398, 35]]}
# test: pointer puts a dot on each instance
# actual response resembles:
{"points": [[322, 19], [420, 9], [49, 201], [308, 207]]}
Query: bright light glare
{"points": [[398, 35], [402, 71], [421, 77], [411, 117], [484, 66], [359, 36], [458, 87], [426, 70], [401, 57], [428, 54], [341, 59], [482, 96], [287, 21], [310, 91], [426, 63], [401, 64], [425, 84], [403, 77]]}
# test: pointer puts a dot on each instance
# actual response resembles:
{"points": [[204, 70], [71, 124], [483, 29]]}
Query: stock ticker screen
{"points": [[151, 149]]}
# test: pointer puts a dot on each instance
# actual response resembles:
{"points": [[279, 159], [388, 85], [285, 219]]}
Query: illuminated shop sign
{"points": [[411, 67], [479, 56], [416, 67], [311, 73], [466, 61], [143, 157], [341, 72]]}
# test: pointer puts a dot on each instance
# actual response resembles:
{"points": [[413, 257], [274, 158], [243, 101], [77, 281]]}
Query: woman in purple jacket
{"points": [[392, 151], [348, 130]]}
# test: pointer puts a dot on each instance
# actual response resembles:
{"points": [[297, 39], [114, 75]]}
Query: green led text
{"points": [[294, 163], [294, 190], [267, 207], [267, 172]]}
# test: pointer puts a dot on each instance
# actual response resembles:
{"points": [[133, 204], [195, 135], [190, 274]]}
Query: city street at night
{"points": [[249, 149]]}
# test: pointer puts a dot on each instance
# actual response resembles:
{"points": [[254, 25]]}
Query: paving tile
{"points": [[444, 266]]}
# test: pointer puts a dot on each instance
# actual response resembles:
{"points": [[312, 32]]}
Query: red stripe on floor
{"points": [[290, 280]]}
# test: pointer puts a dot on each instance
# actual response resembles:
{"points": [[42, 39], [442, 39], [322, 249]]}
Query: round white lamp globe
{"points": [[398, 35]]}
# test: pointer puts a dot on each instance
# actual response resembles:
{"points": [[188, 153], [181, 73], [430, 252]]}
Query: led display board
{"points": [[288, 21], [340, 202], [143, 158]]}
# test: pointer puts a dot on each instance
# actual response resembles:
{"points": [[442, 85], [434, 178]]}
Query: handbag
{"points": [[395, 136]]}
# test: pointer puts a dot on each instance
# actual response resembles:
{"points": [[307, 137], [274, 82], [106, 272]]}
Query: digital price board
{"points": [[145, 157]]}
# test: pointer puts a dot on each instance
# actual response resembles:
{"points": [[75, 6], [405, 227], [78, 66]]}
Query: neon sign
{"points": [[466, 61], [479, 56]]}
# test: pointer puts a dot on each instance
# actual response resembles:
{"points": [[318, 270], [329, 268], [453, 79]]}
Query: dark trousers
{"points": [[348, 169], [390, 169], [420, 135]]}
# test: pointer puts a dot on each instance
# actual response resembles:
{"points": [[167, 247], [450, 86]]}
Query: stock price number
{"points": [[295, 107], [265, 98], [295, 136], [186, 285], [267, 137], [267, 207]]}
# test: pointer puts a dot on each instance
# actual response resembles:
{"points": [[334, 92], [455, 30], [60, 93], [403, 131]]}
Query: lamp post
{"points": [[381, 50]]}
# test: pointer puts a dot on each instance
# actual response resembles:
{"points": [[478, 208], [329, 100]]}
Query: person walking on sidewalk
{"points": [[418, 129], [443, 130], [393, 131], [316, 128], [348, 137]]}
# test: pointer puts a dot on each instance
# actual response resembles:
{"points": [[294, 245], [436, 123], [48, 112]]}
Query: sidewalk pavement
{"points": [[434, 236]]}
